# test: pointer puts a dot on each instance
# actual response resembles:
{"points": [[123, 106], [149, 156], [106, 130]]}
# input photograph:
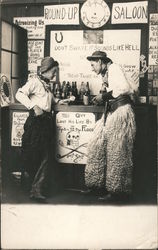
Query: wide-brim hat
{"points": [[98, 55], [47, 63]]}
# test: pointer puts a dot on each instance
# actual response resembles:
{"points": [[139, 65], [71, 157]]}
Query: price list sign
{"points": [[74, 129]]}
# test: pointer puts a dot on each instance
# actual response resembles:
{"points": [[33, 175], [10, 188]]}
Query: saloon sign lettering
{"points": [[132, 12], [61, 14]]}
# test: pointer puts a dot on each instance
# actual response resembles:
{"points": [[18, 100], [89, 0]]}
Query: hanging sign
{"points": [[5, 90], [73, 133], [18, 121], [61, 14], [153, 39], [35, 54], [34, 25], [132, 12]]}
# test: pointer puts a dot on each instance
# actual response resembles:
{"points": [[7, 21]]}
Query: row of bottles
{"points": [[65, 90]]}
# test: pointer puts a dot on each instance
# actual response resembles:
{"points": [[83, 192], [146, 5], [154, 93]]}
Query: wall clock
{"points": [[95, 13]]}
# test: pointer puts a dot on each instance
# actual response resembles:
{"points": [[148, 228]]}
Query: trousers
{"points": [[36, 150]]}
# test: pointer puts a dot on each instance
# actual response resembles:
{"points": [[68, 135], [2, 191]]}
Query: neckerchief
{"points": [[45, 84]]}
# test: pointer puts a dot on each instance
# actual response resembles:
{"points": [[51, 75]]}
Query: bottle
{"points": [[63, 92], [58, 91], [68, 89], [86, 95], [74, 90], [81, 91], [55, 89]]}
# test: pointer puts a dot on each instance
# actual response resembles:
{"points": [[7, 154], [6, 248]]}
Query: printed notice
{"points": [[133, 12], [73, 134], [18, 121], [153, 39], [34, 25], [61, 14]]}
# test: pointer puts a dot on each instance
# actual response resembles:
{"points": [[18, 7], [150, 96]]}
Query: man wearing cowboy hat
{"points": [[100, 64], [110, 163], [36, 96]]}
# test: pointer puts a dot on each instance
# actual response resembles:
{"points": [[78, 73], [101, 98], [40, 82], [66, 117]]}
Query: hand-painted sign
{"points": [[61, 14], [153, 39], [35, 54], [122, 46], [34, 25], [73, 132], [18, 121], [132, 12]]}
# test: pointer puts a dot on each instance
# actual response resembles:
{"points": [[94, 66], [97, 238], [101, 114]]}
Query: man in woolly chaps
{"points": [[109, 164]]}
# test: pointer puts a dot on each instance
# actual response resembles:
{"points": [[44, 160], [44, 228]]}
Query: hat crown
{"points": [[46, 64], [99, 54]]}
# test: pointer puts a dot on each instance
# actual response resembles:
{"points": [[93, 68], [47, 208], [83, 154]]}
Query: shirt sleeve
{"points": [[117, 80], [23, 94]]}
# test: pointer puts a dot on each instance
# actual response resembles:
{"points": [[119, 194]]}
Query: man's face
{"points": [[96, 66], [51, 73]]}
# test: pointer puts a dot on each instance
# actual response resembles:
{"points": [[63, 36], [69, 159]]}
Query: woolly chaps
{"points": [[109, 163]]}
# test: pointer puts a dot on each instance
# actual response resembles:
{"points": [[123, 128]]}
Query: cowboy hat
{"points": [[98, 55], [47, 63]]}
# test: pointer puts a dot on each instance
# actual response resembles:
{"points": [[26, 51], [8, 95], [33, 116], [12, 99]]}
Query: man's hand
{"points": [[37, 110], [97, 100]]}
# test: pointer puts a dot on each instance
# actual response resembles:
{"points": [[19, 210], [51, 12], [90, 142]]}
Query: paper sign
{"points": [[122, 46], [153, 39], [132, 12], [61, 14], [34, 25], [18, 121], [35, 54], [74, 131]]}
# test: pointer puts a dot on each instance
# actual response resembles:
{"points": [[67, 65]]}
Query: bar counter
{"points": [[71, 174]]}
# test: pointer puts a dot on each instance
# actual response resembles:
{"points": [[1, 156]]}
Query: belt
{"points": [[112, 105], [45, 113], [118, 102]]}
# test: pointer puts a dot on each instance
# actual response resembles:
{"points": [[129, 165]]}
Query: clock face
{"points": [[95, 13]]}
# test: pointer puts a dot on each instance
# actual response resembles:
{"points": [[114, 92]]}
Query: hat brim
{"points": [[91, 58]]}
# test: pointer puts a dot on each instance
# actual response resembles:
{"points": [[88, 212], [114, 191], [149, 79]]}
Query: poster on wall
{"points": [[18, 120], [35, 54], [6, 91], [132, 12], [153, 39], [74, 130], [34, 25], [71, 49], [61, 14]]}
